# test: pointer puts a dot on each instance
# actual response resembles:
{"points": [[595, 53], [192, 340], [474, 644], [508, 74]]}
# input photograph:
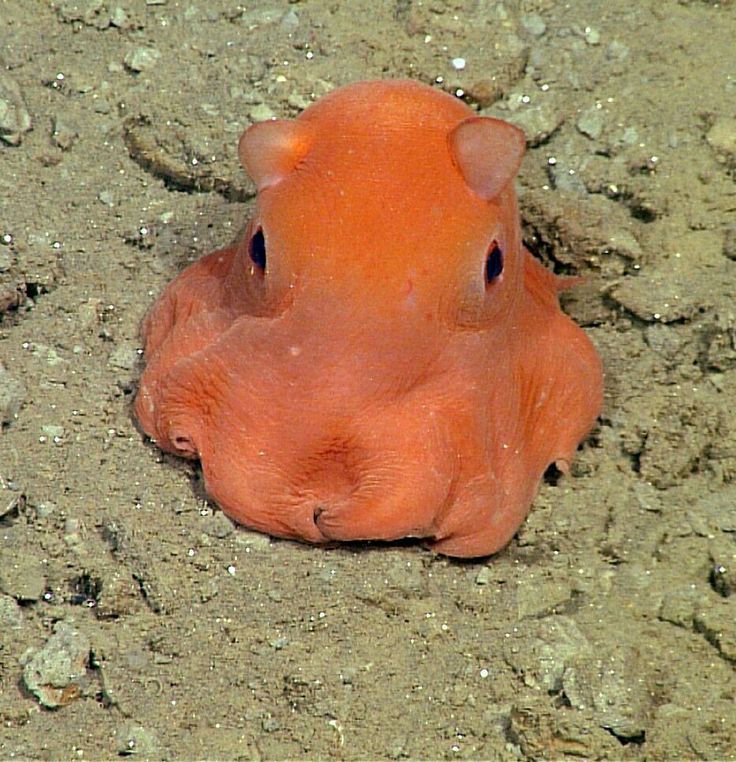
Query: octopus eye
{"points": [[257, 249], [494, 262]]}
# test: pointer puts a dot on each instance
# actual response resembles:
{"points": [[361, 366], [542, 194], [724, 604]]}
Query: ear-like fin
{"points": [[487, 152], [270, 150]]}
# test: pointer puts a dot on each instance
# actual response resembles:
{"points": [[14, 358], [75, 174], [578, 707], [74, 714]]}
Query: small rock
{"points": [[622, 242], [542, 652], [662, 294], [484, 92], [11, 499], [141, 58], [218, 526], [729, 242], [119, 18], [53, 431], [270, 724], [663, 339], [290, 20], [106, 197], [590, 122], [722, 554], [617, 51], [135, 739], [407, 576], [722, 138], [102, 106], [716, 622], [262, 14], [614, 686], [348, 675], [14, 117], [566, 176], [483, 577], [260, 113], [88, 12], [63, 134], [255, 541], [592, 35], [534, 24], [538, 121], [11, 614], [48, 354], [12, 396], [124, 357], [23, 577], [678, 607], [57, 674]]}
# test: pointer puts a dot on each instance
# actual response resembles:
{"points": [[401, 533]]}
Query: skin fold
{"points": [[379, 357]]}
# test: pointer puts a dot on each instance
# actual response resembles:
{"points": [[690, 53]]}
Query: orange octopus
{"points": [[379, 357]]}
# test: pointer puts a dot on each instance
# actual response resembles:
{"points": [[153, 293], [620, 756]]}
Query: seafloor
{"points": [[606, 630]]}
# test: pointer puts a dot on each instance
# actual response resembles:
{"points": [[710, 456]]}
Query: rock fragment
{"points": [[57, 673], [14, 117]]}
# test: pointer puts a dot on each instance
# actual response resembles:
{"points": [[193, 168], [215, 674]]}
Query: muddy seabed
{"points": [[607, 629]]}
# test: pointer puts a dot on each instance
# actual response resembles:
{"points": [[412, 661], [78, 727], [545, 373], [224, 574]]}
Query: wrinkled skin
{"points": [[379, 357]]}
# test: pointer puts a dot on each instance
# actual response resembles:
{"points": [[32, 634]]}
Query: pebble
{"points": [[261, 113], [218, 525], [663, 339], [90, 13], [718, 627], [14, 117], [12, 395], [566, 177], [612, 685], [290, 20], [270, 724], [11, 614], [57, 673], [141, 58], [484, 92], [722, 138], [131, 738], [590, 122], [538, 121], [729, 242], [543, 651], [119, 18], [262, 15], [665, 294], [52, 431], [483, 577], [124, 356], [253, 540], [723, 566], [407, 577], [534, 24], [47, 354], [279, 642], [106, 198], [11, 498], [102, 106], [120, 596], [592, 35], [63, 134], [617, 51], [298, 101], [23, 577]]}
